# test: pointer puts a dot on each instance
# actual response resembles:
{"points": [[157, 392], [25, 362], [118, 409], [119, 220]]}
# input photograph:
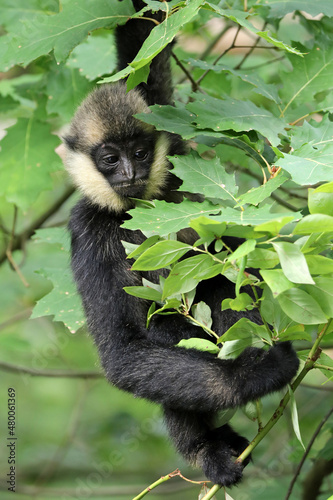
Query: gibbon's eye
{"points": [[141, 154], [111, 159]]}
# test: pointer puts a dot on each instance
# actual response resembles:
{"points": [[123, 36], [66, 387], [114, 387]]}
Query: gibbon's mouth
{"points": [[131, 189]]}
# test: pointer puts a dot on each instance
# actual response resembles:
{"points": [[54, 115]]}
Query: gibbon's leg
{"points": [[214, 450]]}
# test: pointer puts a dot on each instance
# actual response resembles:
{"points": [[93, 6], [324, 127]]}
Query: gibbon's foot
{"points": [[234, 441], [218, 464], [217, 457]]}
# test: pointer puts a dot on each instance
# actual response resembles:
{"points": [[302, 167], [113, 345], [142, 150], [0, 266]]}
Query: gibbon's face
{"points": [[126, 167], [110, 155]]}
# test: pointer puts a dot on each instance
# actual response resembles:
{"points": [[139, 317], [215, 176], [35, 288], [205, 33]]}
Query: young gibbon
{"points": [[113, 157]]}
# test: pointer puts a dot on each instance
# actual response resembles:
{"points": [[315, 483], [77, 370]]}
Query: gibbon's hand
{"points": [[277, 366]]}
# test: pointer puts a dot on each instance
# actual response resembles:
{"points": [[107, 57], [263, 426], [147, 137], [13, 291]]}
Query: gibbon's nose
{"points": [[128, 170]]}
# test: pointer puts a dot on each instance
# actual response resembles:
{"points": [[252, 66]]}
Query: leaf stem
{"points": [[323, 367], [206, 328]]}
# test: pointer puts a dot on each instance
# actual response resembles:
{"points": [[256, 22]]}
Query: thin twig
{"points": [[220, 56], [212, 44], [194, 84], [238, 66], [261, 65], [308, 448], [9, 250], [25, 314], [9, 367], [37, 223]]}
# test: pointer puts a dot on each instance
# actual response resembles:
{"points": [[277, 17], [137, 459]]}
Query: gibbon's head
{"points": [[110, 155]]}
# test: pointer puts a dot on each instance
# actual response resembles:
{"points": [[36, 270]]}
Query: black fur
{"points": [[191, 385]]}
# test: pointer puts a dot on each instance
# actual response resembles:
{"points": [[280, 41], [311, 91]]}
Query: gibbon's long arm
{"points": [[146, 362]]}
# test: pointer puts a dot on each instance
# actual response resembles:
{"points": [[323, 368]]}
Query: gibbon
{"points": [[113, 157]]}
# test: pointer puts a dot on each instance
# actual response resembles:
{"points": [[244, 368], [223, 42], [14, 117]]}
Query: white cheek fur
{"points": [[92, 183]]}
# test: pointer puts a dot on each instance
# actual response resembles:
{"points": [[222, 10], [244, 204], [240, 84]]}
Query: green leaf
{"points": [[321, 199], [243, 250], [167, 218], [144, 246], [208, 228], [279, 8], [301, 307], [183, 276], [322, 292], [326, 360], [251, 410], [61, 32], [175, 119], [311, 74], [254, 216], [244, 329], [228, 113], [240, 303], [202, 313], [262, 258], [144, 292], [294, 416], [276, 280], [10, 13], [308, 166], [314, 223], [233, 348], [274, 226], [211, 272], [199, 344], [96, 56], [57, 235], [295, 333], [257, 195], [272, 312], [65, 88], [203, 176], [160, 255], [293, 262], [312, 146], [27, 159], [138, 76], [318, 264], [63, 302]]}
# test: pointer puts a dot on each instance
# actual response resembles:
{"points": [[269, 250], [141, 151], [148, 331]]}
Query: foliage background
{"points": [[78, 437]]}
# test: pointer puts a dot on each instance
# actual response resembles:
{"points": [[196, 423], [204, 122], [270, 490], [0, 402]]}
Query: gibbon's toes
{"points": [[226, 436], [219, 467], [222, 473]]}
